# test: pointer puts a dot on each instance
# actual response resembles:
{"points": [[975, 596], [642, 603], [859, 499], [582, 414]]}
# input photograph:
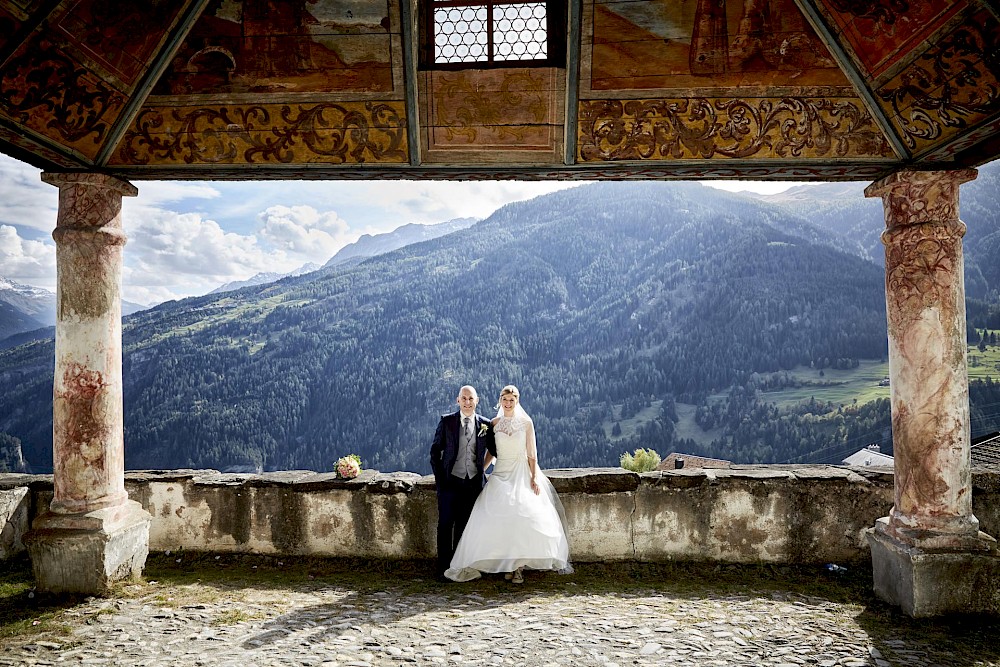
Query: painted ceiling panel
{"points": [[9, 26], [47, 91], [130, 34], [882, 32], [508, 109], [272, 48], [651, 44], [951, 87], [14, 16], [652, 88]]}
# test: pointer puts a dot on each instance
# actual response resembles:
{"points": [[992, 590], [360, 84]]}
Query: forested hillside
{"points": [[607, 304]]}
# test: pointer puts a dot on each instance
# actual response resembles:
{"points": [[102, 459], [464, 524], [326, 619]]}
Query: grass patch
{"points": [[22, 612], [984, 364], [631, 426], [840, 387], [234, 616], [688, 428]]}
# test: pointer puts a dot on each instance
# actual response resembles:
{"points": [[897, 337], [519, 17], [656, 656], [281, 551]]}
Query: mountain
{"points": [[370, 246], [34, 302], [599, 302], [28, 313], [607, 304], [13, 321], [264, 278], [842, 209]]}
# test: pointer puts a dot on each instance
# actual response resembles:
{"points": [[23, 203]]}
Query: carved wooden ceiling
{"points": [[253, 89]]}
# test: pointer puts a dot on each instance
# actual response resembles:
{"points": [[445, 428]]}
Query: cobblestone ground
{"points": [[550, 620]]}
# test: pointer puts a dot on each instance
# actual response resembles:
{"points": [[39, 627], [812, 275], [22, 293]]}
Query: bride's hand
{"points": [[534, 487]]}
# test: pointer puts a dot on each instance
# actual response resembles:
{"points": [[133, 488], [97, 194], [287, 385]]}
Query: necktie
{"points": [[468, 431]]}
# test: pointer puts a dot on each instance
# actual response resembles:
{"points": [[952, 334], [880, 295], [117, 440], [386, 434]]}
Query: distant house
{"points": [[884, 382], [986, 451], [870, 456], [676, 461]]}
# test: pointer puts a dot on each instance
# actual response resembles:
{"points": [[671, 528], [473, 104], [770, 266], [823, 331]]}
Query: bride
{"points": [[517, 521]]}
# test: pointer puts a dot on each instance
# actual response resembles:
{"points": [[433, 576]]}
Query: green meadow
{"points": [[839, 387]]}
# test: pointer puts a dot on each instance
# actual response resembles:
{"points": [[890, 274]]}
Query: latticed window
{"points": [[493, 34]]}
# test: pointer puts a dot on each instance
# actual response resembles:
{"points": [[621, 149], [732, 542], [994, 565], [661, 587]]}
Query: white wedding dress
{"points": [[511, 527]]}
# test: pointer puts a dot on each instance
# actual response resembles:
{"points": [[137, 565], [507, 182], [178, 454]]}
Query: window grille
{"points": [[497, 33]]}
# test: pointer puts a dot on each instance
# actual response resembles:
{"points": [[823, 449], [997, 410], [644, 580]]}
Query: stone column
{"points": [[92, 534], [928, 553]]}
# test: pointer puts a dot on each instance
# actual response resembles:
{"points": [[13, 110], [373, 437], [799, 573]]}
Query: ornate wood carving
{"points": [[847, 170], [48, 92], [333, 133], [732, 128], [952, 87]]}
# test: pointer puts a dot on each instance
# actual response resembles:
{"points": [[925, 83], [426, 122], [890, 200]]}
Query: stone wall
{"points": [[775, 514]]}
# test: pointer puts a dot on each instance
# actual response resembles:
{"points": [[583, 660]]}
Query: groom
{"points": [[457, 458]]}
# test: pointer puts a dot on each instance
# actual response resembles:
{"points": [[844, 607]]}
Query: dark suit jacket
{"points": [[444, 449]]}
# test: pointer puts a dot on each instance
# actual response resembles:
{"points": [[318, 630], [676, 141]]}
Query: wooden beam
{"points": [[156, 68], [573, 22], [855, 76], [410, 43]]}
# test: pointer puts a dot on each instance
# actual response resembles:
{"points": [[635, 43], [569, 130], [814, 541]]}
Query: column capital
{"points": [[913, 197], [91, 178]]}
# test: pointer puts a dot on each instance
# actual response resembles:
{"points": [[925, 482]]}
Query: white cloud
{"points": [[174, 255], [156, 193], [28, 262], [429, 202], [304, 233], [24, 200]]}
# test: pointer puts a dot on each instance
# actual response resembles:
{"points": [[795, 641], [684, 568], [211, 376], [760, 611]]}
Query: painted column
{"points": [[92, 534], [88, 454], [925, 310]]}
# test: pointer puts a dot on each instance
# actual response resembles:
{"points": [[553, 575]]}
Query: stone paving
{"points": [[548, 621]]}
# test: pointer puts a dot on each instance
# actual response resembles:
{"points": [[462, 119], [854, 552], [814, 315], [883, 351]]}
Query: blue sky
{"points": [[186, 238]]}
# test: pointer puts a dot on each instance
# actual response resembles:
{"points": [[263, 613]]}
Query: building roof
{"points": [[869, 457], [986, 451], [766, 89], [691, 461]]}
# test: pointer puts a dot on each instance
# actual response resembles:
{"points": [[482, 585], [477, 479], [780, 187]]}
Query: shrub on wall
{"points": [[644, 460]]}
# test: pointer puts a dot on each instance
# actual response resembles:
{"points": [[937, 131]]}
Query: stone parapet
{"points": [[745, 514]]}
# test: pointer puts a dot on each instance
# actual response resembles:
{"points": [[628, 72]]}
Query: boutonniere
{"points": [[482, 429]]}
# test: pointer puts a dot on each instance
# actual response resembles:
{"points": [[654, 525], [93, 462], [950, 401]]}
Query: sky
{"points": [[186, 238]]}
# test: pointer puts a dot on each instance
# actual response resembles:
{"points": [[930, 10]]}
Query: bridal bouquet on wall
{"points": [[348, 467]]}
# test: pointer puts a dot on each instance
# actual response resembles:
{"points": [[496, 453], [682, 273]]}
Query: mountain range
{"points": [[371, 245], [604, 303], [264, 278], [27, 313]]}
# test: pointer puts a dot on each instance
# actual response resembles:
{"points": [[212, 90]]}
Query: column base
{"points": [[925, 583], [87, 553]]}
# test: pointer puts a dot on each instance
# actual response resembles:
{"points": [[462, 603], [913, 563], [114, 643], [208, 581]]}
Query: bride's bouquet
{"points": [[348, 467]]}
